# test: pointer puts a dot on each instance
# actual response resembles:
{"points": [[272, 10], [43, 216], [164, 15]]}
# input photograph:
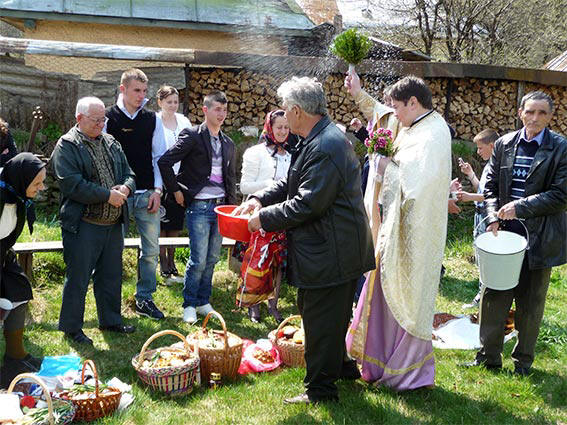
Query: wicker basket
{"points": [[52, 403], [102, 404], [173, 380], [224, 360], [292, 354]]}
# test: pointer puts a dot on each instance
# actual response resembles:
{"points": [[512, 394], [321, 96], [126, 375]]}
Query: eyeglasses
{"points": [[97, 121]]}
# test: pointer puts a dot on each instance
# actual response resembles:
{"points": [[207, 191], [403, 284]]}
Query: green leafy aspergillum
{"points": [[351, 45]]}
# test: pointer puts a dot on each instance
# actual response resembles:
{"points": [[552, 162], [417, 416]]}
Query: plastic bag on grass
{"points": [[261, 356]]}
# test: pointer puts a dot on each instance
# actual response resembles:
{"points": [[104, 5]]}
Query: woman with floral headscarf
{"points": [[263, 164], [20, 180]]}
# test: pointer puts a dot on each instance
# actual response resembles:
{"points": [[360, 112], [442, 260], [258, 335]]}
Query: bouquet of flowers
{"points": [[380, 141], [351, 46]]}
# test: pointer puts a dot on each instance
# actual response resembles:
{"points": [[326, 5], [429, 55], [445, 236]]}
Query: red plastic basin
{"points": [[230, 226]]}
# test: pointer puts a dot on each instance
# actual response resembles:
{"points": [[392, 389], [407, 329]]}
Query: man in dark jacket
{"points": [[207, 178], [95, 180], [329, 242], [527, 180]]}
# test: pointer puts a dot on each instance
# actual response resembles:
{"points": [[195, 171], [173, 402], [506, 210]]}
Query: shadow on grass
{"points": [[451, 407], [358, 405], [554, 392], [459, 290]]}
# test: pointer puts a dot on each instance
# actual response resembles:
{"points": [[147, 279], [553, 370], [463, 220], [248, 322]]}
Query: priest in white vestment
{"points": [[390, 335]]}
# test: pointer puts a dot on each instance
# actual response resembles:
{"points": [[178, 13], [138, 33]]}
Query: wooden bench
{"points": [[25, 250]]}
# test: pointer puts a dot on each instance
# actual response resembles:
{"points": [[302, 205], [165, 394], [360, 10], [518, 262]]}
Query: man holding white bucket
{"points": [[527, 180]]}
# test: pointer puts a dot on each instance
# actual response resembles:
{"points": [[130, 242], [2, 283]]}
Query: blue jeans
{"points": [[205, 243], [148, 228]]}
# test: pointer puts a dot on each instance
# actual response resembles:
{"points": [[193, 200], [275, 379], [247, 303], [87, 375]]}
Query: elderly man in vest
{"points": [[95, 180]]}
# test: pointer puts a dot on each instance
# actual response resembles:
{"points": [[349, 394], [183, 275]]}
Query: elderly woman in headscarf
{"points": [[263, 164], [20, 180]]}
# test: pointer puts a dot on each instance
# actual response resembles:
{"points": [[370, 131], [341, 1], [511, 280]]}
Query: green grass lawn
{"points": [[461, 396]]}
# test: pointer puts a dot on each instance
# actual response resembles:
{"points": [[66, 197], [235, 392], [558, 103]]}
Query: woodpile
{"points": [[475, 104], [479, 104], [251, 96]]}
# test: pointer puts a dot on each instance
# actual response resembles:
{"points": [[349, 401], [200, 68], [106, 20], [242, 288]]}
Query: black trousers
{"points": [[530, 297], [326, 313], [94, 251]]}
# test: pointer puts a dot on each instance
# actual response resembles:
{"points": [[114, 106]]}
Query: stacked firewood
{"points": [[252, 95], [479, 104], [475, 104]]}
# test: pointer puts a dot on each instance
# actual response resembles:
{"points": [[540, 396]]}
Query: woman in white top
{"points": [[262, 164], [20, 180], [172, 214]]}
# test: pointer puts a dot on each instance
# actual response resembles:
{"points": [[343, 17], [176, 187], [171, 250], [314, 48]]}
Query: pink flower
{"points": [[381, 141], [367, 142], [389, 132]]}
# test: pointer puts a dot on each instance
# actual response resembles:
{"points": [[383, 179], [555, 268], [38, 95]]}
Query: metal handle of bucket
{"points": [[521, 222]]}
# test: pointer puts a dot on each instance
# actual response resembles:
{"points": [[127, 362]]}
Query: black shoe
{"points": [[477, 363], [121, 329], [149, 309], [9, 371], [79, 337], [349, 370], [30, 363], [174, 271], [521, 371]]}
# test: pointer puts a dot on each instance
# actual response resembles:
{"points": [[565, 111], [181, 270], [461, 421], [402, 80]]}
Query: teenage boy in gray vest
{"points": [[140, 132], [207, 178]]}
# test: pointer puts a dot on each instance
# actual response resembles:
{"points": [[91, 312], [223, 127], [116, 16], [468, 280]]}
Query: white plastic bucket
{"points": [[500, 258]]}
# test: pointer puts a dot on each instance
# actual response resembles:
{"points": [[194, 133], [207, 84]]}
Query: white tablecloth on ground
{"points": [[461, 334]]}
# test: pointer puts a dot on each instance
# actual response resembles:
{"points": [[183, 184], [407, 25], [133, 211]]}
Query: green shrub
{"points": [[21, 138], [52, 131], [463, 149], [360, 150]]}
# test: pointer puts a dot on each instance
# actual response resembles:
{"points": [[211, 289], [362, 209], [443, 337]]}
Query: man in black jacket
{"points": [[329, 242], [207, 178], [527, 179]]}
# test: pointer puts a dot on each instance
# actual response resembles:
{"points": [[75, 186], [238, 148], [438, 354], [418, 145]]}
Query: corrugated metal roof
{"points": [[276, 14], [558, 63]]}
